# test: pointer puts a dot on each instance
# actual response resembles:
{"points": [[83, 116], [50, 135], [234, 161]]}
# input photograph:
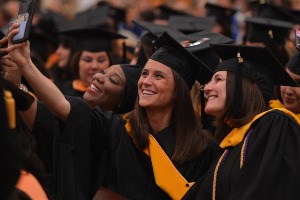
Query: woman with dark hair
{"points": [[92, 54], [260, 156], [142, 155], [289, 97]]}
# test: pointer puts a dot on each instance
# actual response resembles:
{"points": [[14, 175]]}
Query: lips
{"points": [[289, 100], [148, 92], [95, 88]]}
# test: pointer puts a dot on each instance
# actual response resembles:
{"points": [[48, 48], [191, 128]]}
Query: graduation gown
{"points": [[271, 165], [102, 153], [67, 88]]}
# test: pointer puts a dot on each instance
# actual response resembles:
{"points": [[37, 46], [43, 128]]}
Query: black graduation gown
{"points": [[66, 87], [271, 167], [107, 156]]}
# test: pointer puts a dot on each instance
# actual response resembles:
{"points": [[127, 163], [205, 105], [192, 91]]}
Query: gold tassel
{"points": [[10, 108]]}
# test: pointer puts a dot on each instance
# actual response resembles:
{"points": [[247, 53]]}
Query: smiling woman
{"points": [[92, 55], [130, 154], [238, 95]]}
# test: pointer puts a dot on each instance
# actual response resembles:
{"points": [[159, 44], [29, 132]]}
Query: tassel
{"points": [[124, 56], [11, 109], [203, 114], [238, 87]]}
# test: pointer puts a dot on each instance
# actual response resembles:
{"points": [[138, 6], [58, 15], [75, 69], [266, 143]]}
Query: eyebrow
{"points": [[156, 71]]}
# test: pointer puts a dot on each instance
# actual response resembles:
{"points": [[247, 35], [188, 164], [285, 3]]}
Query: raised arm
{"points": [[45, 89]]}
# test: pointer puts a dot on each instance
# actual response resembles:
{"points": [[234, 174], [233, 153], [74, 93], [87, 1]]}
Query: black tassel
{"points": [[238, 92], [124, 56], [203, 114]]}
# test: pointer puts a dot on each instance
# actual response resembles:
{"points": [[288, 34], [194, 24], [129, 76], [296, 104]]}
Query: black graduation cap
{"points": [[163, 12], [267, 30], [92, 17], [172, 54], [156, 30], [60, 20], [191, 24], [132, 74], [220, 12], [269, 10], [117, 13], [93, 39], [296, 16], [199, 45], [294, 63], [256, 63]]}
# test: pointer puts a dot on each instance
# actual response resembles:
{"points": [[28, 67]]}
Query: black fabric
{"points": [[294, 63], [172, 54], [10, 157], [43, 130], [23, 100], [267, 30], [105, 147], [271, 166], [132, 74], [93, 38], [66, 87]]}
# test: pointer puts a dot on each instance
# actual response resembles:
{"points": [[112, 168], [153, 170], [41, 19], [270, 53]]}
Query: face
{"points": [[291, 95], [63, 54], [107, 88], [90, 63], [156, 87], [215, 92]]}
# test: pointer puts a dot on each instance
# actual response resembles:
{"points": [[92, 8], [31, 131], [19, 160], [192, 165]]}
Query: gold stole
{"points": [[237, 135], [78, 85], [167, 177], [278, 104], [10, 108]]}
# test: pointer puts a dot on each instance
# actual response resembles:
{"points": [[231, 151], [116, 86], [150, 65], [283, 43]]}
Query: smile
{"points": [[148, 92], [92, 86]]}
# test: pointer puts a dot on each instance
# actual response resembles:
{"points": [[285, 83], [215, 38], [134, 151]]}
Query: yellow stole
{"points": [[167, 177], [78, 85], [10, 108], [237, 135], [278, 104]]}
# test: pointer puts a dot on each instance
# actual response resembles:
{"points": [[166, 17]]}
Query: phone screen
{"points": [[297, 39]]}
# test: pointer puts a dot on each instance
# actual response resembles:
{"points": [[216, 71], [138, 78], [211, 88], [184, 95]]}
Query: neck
{"points": [[159, 120]]}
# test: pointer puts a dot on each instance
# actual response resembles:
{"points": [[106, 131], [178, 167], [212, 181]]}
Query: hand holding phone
{"points": [[25, 15]]}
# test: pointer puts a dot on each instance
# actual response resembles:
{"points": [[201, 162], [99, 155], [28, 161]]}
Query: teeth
{"points": [[147, 92], [95, 88], [211, 97]]}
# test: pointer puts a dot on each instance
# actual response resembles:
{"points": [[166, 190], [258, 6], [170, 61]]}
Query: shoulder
{"points": [[280, 115]]}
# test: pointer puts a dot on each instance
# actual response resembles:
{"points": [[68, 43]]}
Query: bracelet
{"points": [[23, 88]]}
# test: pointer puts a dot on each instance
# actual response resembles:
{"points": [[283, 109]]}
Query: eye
{"points": [[144, 73], [113, 81], [159, 76], [101, 60]]}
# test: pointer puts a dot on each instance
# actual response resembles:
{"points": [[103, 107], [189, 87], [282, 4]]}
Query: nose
{"points": [[99, 77], [147, 80], [289, 90]]}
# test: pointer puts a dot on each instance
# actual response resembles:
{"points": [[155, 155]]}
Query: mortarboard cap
{"points": [[157, 30], [199, 46], [132, 74], [191, 24], [257, 63], [61, 21], [172, 54], [92, 17], [220, 12], [93, 39], [271, 11], [117, 13], [163, 12], [294, 63], [267, 30]]}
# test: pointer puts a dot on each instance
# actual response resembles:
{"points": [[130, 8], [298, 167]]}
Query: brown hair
{"points": [[75, 63], [191, 139], [252, 103]]}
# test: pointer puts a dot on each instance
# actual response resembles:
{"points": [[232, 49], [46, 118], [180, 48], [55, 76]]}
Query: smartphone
{"points": [[297, 39], [25, 15]]}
